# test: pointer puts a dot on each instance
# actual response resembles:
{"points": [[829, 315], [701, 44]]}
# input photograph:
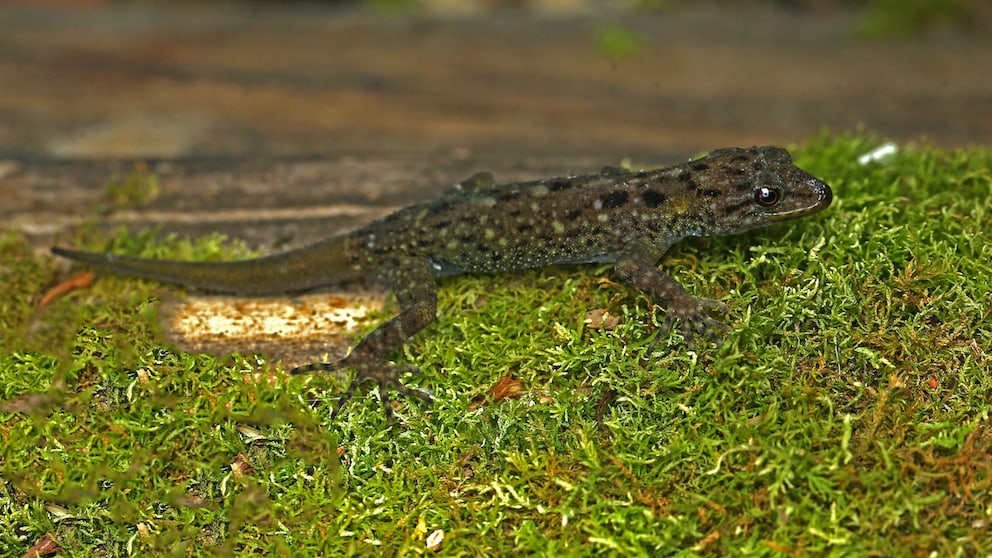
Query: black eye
{"points": [[767, 196]]}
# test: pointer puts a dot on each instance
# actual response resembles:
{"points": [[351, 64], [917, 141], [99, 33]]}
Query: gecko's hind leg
{"points": [[416, 292]]}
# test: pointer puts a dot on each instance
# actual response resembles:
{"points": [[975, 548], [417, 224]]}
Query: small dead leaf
{"points": [[240, 467], [506, 387], [602, 406], [45, 546], [78, 281], [601, 318], [708, 539]]}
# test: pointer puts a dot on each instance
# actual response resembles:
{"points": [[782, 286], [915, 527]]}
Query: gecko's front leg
{"points": [[416, 293], [637, 267]]}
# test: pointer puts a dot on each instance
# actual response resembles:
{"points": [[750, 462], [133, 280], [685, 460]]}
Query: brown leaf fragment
{"points": [[601, 408], [708, 539], [240, 466], [506, 387], [78, 281], [600, 318], [45, 546]]}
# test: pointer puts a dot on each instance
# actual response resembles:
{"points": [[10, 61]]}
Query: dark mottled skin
{"points": [[630, 218]]}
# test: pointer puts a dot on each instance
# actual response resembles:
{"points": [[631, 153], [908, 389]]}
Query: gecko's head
{"points": [[752, 187]]}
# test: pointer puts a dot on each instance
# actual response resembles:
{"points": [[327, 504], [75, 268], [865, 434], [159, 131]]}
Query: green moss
{"points": [[134, 190], [847, 412], [616, 43]]}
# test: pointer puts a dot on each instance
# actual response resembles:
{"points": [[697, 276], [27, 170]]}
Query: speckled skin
{"points": [[630, 218]]}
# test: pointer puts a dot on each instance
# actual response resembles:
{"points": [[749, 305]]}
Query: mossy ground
{"points": [[848, 410]]}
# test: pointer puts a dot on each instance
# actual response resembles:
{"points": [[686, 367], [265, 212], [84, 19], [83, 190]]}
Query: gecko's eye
{"points": [[767, 196]]}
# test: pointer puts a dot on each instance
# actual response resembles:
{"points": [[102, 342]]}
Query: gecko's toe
{"points": [[663, 331], [689, 330], [386, 376], [693, 323], [716, 305]]}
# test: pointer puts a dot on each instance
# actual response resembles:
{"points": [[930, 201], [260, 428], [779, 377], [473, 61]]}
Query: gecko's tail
{"points": [[309, 267]]}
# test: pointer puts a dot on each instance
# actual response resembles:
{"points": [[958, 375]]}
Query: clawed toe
{"points": [[386, 376]]}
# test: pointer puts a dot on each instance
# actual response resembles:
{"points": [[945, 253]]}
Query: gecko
{"points": [[627, 218]]}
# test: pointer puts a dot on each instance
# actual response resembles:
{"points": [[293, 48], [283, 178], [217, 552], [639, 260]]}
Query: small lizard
{"points": [[628, 218]]}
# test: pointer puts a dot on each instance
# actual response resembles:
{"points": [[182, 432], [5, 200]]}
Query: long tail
{"points": [[312, 266]]}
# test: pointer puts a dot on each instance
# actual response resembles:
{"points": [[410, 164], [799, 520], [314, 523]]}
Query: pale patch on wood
{"points": [[294, 330], [305, 318]]}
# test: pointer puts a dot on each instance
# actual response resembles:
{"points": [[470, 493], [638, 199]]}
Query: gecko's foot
{"points": [[385, 374], [691, 314]]}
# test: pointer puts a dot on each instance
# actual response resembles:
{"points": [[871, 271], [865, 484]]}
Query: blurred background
{"points": [[165, 79]]}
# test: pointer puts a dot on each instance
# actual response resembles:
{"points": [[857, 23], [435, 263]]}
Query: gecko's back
{"points": [[591, 218]]}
